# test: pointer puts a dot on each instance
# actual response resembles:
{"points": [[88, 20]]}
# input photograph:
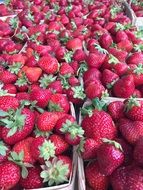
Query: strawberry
{"points": [[56, 86], [61, 122], [135, 179], [90, 75], [94, 89], [124, 87], [60, 144], [137, 72], [79, 55], [132, 131], [9, 175], [95, 59], [4, 151], [125, 45], [48, 64], [74, 44], [42, 149], [22, 96], [47, 121], [95, 127], [109, 78], [119, 178], [65, 69], [95, 179], [121, 36], [8, 102], [7, 77], [134, 109], [135, 58], [32, 73], [66, 160], [24, 146], [106, 40], [42, 96], [59, 102], [10, 88], [89, 150], [138, 151], [116, 110], [21, 125], [33, 180], [55, 172], [119, 54]]}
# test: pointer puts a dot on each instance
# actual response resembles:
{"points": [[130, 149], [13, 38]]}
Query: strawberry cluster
{"points": [[112, 149], [137, 7]]}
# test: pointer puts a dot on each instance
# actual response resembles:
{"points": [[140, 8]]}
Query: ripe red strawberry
{"points": [[11, 88], [60, 144], [59, 102], [79, 55], [32, 73], [132, 131], [119, 178], [33, 180], [56, 86], [24, 146], [134, 109], [47, 121], [95, 179], [119, 54], [9, 175], [42, 149], [135, 179], [106, 40], [90, 75], [135, 58], [110, 156], [7, 77], [124, 87], [48, 64], [66, 160], [61, 122], [138, 157], [65, 69], [8, 102], [109, 78], [137, 73], [121, 36], [4, 151], [95, 59], [23, 96], [22, 124], [99, 125], [94, 89], [90, 148], [74, 44], [116, 110], [125, 45], [42, 96]]}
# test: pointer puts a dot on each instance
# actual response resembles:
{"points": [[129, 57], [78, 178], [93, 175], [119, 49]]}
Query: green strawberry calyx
{"points": [[15, 67], [114, 143], [78, 92], [100, 49], [31, 104], [39, 133], [46, 80], [18, 159], [130, 103], [3, 148], [13, 120], [22, 81], [139, 69], [47, 150], [55, 172], [113, 59], [54, 107], [138, 47], [82, 69], [114, 10], [72, 128], [68, 56], [64, 80]]}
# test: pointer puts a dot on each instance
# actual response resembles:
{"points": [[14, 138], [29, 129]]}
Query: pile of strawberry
{"points": [[113, 145], [137, 6]]}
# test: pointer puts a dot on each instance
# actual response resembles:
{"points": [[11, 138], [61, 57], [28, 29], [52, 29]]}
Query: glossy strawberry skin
{"points": [[22, 134], [109, 158], [60, 144], [138, 152], [8, 102], [94, 178], [95, 127], [33, 180], [9, 175], [7, 77], [116, 109]]}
